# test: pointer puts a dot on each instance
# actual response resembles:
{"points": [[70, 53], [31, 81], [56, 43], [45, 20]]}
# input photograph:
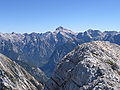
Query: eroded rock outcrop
{"points": [[90, 66], [14, 77]]}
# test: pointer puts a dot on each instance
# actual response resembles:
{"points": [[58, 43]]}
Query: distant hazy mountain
{"points": [[44, 50], [90, 66], [14, 77]]}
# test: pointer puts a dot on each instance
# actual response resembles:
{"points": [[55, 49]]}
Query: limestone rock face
{"points": [[14, 77], [90, 66]]}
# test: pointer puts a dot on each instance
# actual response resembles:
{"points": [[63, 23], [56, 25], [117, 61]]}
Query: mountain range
{"points": [[40, 54], [44, 50]]}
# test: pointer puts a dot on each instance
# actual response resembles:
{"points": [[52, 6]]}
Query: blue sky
{"points": [[46, 15]]}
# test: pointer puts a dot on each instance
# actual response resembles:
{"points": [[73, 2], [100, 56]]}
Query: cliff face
{"points": [[90, 66], [14, 77]]}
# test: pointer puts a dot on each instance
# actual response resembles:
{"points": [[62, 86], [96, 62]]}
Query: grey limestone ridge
{"points": [[14, 77], [90, 66]]}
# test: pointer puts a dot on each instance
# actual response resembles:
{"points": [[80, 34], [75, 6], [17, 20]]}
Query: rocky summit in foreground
{"points": [[14, 77], [90, 66]]}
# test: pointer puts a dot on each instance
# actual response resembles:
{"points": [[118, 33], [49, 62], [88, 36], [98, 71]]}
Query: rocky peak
{"points": [[93, 33], [60, 29], [90, 66], [111, 32]]}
